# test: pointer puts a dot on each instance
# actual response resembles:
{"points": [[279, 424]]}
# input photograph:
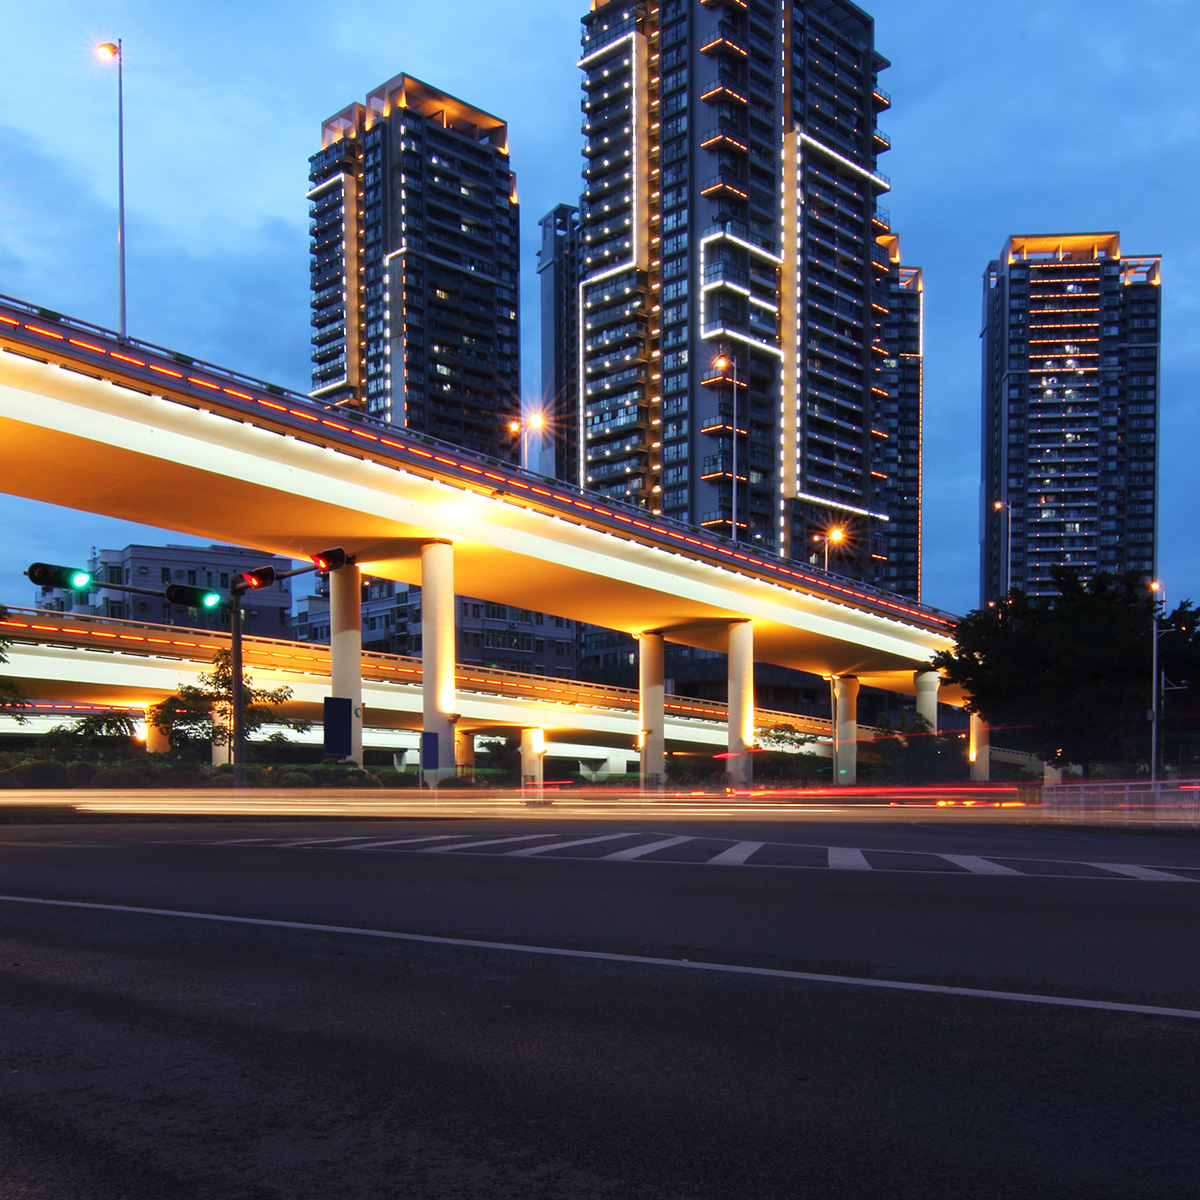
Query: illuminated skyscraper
{"points": [[414, 266], [1070, 411], [739, 285]]}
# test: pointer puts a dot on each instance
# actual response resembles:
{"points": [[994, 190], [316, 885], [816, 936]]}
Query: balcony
{"points": [[726, 183]]}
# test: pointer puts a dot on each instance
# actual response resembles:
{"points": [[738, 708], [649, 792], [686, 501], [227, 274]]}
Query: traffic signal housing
{"points": [[260, 577], [331, 560], [52, 575], [194, 597]]}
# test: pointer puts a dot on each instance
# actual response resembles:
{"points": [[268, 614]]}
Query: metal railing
{"points": [[1173, 804]]}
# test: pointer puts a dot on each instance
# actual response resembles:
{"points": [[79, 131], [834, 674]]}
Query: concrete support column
{"points": [[979, 751], [345, 647], [533, 753], [845, 719], [158, 741], [464, 753], [928, 683], [437, 653], [739, 772], [650, 702], [222, 750], [1051, 775]]}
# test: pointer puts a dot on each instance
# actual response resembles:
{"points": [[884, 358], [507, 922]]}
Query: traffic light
{"points": [[193, 597], [260, 577], [331, 560], [50, 575]]}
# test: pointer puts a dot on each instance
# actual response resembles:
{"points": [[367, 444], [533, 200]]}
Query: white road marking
{"points": [[524, 837], [638, 851], [978, 866], [736, 855], [304, 843], [844, 858], [233, 842], [1142, 872], [435, 837], [530, 851], [633, 960]]}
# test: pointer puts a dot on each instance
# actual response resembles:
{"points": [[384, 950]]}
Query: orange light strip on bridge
{"points": [[661, 532]]}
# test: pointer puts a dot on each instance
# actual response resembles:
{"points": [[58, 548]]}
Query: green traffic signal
{"points": [[52, 575], [193, 597]]}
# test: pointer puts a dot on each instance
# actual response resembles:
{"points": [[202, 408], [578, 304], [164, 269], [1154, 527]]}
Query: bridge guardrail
{"points": [[1167, 804]]}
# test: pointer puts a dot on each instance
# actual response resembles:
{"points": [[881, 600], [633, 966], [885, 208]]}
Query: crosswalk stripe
{"points": [[524, 837], [639, 851], [436, 837], [304, 843], [978, 866], [1142, 872], [736, 855], [530, 851], [844, 858]]}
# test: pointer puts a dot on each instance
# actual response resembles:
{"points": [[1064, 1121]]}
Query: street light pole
{"points": [[728, 362], [1156, 589], [238, 732], [1005, 509], [109, 50]]}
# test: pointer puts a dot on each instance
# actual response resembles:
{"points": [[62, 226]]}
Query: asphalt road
{"points": [[1021, 1047]]}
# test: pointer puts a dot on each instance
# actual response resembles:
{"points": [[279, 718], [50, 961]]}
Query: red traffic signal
{"points": [[331, 560], [260, 577]]}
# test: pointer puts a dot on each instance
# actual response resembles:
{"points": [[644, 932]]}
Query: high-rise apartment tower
{"points": [[738, 280], [1070, 411], [414, 266]]}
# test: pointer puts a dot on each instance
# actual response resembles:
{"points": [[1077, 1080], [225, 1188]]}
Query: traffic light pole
{"points": [[238, 701]]}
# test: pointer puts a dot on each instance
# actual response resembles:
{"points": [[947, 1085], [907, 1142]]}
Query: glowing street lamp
{"points": [[834, 536], [534, 423], [111, 50]]}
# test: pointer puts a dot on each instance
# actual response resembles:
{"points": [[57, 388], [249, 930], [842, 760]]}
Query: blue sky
{"points": [[1031, 117]]}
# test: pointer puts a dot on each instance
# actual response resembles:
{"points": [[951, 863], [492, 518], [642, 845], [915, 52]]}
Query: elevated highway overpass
{"points": [[129, 430], [65, 659]]}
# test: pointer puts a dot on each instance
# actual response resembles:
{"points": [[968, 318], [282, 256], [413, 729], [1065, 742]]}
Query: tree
{"points": [[1069, 677], [203, 711], [907, 750], [12, 698]]}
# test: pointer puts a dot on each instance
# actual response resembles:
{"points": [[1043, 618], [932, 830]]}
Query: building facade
{"points": [[1070, 411], [495, 636], [267, 612], [738, 279], [414, 260]]}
